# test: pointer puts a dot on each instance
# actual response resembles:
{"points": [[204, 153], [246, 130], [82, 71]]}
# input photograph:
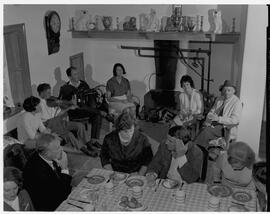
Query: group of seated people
{"points": [[48, 121]]}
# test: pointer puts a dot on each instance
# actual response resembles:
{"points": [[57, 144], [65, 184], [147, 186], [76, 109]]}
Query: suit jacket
{"points": [[190, 171], [231, 113], [46, 187], [25, 202]]}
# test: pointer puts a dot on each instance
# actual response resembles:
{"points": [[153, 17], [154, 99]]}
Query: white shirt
{"points": [[194, 103], [27, 126], [14, 204], [175, 164], [46, 111]]}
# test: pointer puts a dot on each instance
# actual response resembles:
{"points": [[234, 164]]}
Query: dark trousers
{"points": [[94, 118], [207, 134]]}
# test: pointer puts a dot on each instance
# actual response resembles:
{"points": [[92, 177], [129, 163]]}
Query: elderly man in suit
{"points": [[178, 158], [46, 176], [226, 112]]}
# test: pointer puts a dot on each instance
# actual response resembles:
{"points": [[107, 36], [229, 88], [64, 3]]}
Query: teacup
{"points": [[151, 179], [213, 203], [109, 187], [180, 196], [137, 192]]}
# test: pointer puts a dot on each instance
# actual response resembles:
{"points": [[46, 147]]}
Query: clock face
{"points": [[55, 23]]}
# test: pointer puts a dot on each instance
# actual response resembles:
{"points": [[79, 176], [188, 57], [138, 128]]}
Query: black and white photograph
{"points": [[143, 106]]}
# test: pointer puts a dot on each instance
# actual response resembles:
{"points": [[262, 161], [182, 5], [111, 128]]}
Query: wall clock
{"points": [[52, 27]]}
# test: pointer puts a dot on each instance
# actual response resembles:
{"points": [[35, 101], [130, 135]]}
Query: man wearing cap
{"points": [[226, 112]]}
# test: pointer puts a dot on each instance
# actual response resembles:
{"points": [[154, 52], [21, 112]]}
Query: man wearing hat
{"points": [[226, 112]]}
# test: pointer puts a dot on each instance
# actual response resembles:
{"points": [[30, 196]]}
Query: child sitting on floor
{"points": [[235, 165]]}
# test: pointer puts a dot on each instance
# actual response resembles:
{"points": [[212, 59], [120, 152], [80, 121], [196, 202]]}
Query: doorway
{"points": [[17, 62], [77, 62]]}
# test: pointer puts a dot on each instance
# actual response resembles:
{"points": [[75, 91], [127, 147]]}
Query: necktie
{"points": [[56, 169], [219, 111]]}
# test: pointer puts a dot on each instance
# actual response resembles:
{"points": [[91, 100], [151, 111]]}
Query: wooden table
{"points": [[161, 200]]}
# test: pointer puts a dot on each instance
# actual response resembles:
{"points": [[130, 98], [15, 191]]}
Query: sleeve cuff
{"points": [[65, 171]]}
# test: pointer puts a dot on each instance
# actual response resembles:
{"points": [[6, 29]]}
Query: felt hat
{"points": [[227, 83]]}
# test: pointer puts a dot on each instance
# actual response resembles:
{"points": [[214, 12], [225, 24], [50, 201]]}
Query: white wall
{"points": [[253, 76], [100, 55], [42, 66]]}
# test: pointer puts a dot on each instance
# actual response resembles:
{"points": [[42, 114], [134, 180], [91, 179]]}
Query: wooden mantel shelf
{"points": [[229, 38]]}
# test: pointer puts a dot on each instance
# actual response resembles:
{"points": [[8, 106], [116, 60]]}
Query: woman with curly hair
{"points": [[29, 125], [190, 101], [236, 164], [126, 149], [15, 198]]}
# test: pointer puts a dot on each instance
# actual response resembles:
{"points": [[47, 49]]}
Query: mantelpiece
{"points": [[228, 38]]}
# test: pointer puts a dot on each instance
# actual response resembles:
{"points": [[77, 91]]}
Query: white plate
{"points": [[96, 179], [170, 184], [118, 177], [142, 208], [219, 190], [242, 196], [135, 181]]}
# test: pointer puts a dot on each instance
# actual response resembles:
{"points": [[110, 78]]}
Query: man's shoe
{"points": [[89, 152]]}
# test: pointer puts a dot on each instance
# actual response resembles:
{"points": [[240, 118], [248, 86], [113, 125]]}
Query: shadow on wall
{"points": [[138, 89], [88, 73], [59, 81], [34, 90]]}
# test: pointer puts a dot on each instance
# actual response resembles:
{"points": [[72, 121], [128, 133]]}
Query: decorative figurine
{"points": [[107, 22], [217, 24], [190, 23], [233, 25], [144, 21], [153, 24], [201, 27], [181, 26], [130, 24], [197, 25], [117, 23], [170, 25], [82, 21], [99, 23], [164, 21]]}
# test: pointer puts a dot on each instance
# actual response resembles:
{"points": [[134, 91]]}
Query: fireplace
{"points": [[166, 64]]}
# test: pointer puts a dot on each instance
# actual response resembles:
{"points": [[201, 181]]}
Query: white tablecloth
{"points": [[161, 200]]}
